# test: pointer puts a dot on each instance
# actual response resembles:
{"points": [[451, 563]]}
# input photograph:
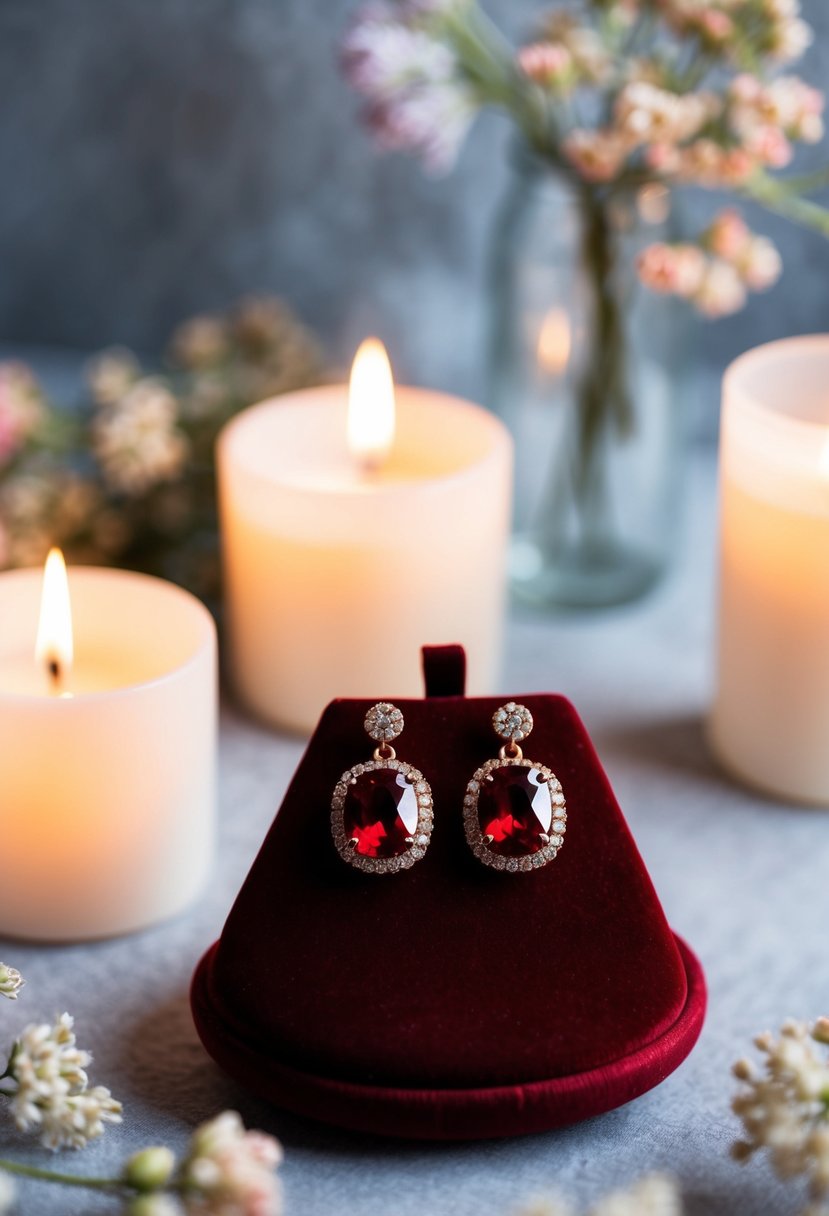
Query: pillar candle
{"points": [[106, 778], [336, 574], [770, 722]]}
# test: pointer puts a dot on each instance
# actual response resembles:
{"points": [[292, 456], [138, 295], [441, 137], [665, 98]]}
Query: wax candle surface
{"points": [[107, 791], [770, 723], [334, 577]]}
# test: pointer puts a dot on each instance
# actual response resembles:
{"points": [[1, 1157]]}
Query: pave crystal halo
{"points": [[384, 722], [381, 810], [514, 810]]}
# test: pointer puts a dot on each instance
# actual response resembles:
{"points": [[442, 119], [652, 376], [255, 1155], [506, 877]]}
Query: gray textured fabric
{"points": [[743, 880], [160, 159]]}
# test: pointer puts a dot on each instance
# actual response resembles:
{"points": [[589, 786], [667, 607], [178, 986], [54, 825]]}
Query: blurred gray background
{"points": [[159, 159]]}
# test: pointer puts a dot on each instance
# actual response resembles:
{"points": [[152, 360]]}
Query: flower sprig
{"points": [[47, 1086], [11, 981], [653, 1195], [225, 1170], [783, 1105], [127, 477], [717, 274], [615, 95]]}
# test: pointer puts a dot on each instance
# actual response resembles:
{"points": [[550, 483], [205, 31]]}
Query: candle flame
{"points": [[554, 341], [371, 405], [54, 648]]}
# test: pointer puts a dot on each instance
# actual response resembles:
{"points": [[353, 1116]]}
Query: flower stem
{"points": [[33, 1171], [805, 183], [777, 196], [489, 63], [603, 390], [601, 405]]}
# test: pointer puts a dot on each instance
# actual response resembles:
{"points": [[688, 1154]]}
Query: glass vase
{"points": [[584, 367]]}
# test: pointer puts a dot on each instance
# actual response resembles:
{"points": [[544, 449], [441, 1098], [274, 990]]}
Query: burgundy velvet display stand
{"points": [[449, 1001]]}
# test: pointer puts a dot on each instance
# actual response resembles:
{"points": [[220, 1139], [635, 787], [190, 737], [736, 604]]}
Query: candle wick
{"points": [[55, 673]]}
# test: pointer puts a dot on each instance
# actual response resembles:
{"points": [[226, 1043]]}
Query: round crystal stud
{"points": [[512, 722], [384, 722]]}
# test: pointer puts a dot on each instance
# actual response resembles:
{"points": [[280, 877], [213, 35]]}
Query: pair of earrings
{"points": [[513, 810]]}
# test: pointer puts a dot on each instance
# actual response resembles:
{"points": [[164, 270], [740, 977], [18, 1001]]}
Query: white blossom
{"points": [[72, 1121], [760, 263], [555, 1206], [21, 408], [645, 113], [766, 116], [111, 374], [783, 1104], [702, 161], [721, 290], [200, 342], [11, 981], [653, 1195], [789, 38], [417, 97], [597, 155], [672, 269], [230, 1171], [52, 1091], [137, 441], [591, 61]]}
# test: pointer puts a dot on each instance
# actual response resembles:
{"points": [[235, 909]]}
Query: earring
{"points": [[381, 811], [514, 810]]}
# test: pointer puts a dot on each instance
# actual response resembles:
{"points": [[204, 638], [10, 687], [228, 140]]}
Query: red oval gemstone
{"points": [[380, 813], [515, 810]]}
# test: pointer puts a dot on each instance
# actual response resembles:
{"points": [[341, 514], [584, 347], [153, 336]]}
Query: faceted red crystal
{"points": [[380, 813], [515, 810]]}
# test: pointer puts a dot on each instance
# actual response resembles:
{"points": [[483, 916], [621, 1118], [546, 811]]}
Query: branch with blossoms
{"points": [[47, 1087], [784, 1107], [615, 95], [225, 1171], [127, 476], [653, 1195]]}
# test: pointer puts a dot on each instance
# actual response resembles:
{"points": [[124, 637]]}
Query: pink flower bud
{"points": [[716, 26], [760, 264], [770, 146], [546, 63], [671, 269], [662, 157], [721, 291], [728, 236]]}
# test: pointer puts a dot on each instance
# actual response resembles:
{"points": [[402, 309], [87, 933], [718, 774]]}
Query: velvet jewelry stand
{"points": [[449, 1001]]}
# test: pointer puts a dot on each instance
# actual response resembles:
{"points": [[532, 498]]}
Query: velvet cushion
{"points": [[448, 976]]}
